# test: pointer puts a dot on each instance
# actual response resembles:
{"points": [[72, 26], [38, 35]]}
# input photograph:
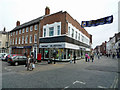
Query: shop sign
{"points": [[52, 46]]}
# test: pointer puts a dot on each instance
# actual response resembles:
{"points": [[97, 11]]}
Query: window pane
{"points": [[51, 31], [44, 32], [58, 29]]}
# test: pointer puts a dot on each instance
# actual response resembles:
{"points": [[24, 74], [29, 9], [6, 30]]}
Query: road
{"points": [[102, 73]]}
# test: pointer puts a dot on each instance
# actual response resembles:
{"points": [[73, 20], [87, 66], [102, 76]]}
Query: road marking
{"points": [[66, 87], [114, 82], [8, 69], [79, 82], [101, 87]]}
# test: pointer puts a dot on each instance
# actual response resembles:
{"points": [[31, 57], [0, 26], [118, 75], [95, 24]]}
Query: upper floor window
{"points": [[44, 32], [51, 31], [26, 39], [31, 28], [72, 32], [16, 32], [16, 41], [0, 43], [36, 26], [20, 31], [79, 37], [13, 41], [11, 33], [69, 31], [30, 38], [82, 38], [58, 30], [19, 40], [35, 38], [22, 39], [27, 29], [23, 30], [76, 35]]}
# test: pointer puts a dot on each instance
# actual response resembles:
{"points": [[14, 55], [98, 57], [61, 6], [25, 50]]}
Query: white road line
{"points": [[101, 87], [79, 82], [66, 87], [8, 69]]}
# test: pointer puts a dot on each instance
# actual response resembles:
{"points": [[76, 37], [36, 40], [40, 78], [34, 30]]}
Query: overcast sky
{"points": [[81, 10]]}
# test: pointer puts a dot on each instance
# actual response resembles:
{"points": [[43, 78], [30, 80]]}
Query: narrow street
{"points": [[102, 73]]}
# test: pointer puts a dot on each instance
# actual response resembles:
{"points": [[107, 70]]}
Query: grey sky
{"points": [[81, 10]]}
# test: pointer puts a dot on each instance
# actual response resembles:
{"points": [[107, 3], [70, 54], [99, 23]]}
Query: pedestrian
{"points": [[28, 62], [86, 57], [32, 61], [98, 56], [74, 58], [71, 58], [92, 56]]}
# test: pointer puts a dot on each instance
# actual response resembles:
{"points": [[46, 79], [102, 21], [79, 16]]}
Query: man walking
{"points": [[86, 57], [74, 58]]}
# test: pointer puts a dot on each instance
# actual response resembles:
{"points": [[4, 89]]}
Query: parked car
{"points": [[17, 59], [2, 55]]}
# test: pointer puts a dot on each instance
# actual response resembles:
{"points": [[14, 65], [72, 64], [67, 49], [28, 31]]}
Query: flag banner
{"points": [[102, 21]]}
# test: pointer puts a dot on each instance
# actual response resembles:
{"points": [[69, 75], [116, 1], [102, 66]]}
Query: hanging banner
{"points": [[102, 21]]}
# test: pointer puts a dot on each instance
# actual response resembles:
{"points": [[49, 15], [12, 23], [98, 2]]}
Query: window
{"points": [[69, 31], [16, 41], [0, 43], [11, 34], [58, 30], [27, 29], [82, 38], [26, 39], [35, 38], [35, 27], [51, 31], [31, 28], [10, 42], [79, 37], [72, 32], [16, 32], [20, 31], [30, 38], [23, 30], [76, 35], [44, 32], [19, 40], [13, 41], [22, 39]]}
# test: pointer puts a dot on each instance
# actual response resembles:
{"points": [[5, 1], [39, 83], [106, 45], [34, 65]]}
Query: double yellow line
{"points": [[115, 82]]}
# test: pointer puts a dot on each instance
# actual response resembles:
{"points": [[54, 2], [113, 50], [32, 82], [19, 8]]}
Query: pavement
{"points": [[102, 73]]}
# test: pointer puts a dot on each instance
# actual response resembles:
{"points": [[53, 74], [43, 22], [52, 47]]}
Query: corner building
{"points": [[52, 33], [61, 34]]}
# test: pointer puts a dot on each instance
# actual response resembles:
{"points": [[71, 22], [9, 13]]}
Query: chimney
{"points": [[17, 23], [4, 29], [47, 11]]}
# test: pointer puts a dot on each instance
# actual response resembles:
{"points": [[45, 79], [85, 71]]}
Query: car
{"points": [[17, 59], [2, 55]]}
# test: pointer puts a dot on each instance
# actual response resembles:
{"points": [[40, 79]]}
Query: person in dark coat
{"points": [[74, 58]]}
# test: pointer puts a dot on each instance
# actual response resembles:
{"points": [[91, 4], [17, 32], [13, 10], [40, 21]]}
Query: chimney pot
{"points": [[17, 23], [47, 11]]}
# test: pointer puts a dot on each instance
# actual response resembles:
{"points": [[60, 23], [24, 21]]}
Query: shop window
{"points": [[51, 31]]}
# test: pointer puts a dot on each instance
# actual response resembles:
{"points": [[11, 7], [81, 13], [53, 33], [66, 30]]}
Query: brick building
{"points": [[52, 33]]}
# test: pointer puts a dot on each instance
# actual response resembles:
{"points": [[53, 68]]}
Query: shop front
{"points": [[62, 51]]}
